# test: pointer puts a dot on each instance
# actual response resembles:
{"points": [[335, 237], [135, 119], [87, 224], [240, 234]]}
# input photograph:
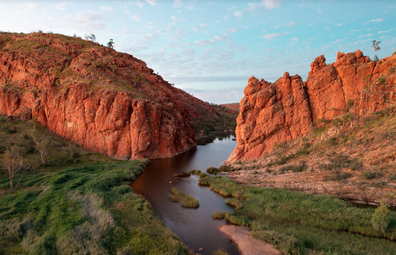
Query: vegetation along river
{"points": [[195, 227]]}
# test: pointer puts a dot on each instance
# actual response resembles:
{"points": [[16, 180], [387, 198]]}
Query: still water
{"points": [[195, 227]]}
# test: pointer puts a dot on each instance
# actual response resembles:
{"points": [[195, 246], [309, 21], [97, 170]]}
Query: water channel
{"points": [[195, 227]]}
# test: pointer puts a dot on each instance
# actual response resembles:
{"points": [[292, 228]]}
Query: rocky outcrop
{"points": [[272, 113], [103, 100]]}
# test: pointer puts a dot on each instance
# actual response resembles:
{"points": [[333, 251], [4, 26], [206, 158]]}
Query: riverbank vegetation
{"points": [[76, 202], [297, 223], [348, 157], [186, 200]]}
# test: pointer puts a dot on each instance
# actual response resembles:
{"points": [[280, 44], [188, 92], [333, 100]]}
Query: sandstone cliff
{"points": [[276, 112], [103, 100]]}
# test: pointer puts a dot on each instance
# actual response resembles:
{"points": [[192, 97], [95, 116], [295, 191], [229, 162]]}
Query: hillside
{"points": [[96, 97], [75, 202], [272, 113], [348, 158]]}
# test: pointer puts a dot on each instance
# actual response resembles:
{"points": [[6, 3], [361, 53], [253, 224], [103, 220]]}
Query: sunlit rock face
{"points": [[103, 100], [276, 112]]}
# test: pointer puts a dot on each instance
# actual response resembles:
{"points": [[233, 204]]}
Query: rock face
{"points": [[105, 101], [272, 113]]}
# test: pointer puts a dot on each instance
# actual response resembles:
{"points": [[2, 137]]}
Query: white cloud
{"points": [[151, 2], [274, 35], [386, 31], [89, 19], [31, 5], [178, 3], [272, 4], [132, 16], [290, 24], [62, 6], [267, 4], [373, 21], [238, 14], [339, 24], [294, 39], [106, 8]]}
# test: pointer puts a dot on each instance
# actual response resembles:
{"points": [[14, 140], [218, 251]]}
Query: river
{"points": [[195, 227]]}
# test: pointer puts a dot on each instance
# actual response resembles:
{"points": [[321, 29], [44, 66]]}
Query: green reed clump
{"points": [[186, 200]]}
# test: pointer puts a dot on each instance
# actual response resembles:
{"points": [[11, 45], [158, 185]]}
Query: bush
{"points": [[212, 170], [220, 252], [218, 215], [368, 175], [224, 168], [381, 218], [195, 172]]}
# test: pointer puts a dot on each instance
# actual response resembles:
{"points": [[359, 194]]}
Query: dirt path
{"points": [[248, 245]]}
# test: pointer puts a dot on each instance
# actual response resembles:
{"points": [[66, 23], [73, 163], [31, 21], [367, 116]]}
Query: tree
{"points": [[376, 48], [41, 144], [90, 37], [73, 151], [13, 162], [110, 44], [381, 218]]}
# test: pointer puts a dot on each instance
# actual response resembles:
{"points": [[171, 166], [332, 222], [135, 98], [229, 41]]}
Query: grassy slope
{"points": [[297, 223], [350, 158], [83, 208]]}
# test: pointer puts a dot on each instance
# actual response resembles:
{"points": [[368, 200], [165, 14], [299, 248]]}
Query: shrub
{"points": [[337, 176], [381, 80], [195, 172], [381, 218], [224, 168], [182, 175], [220, 252], [368, 175], [203, 175], [212, 170], [218, 215]]}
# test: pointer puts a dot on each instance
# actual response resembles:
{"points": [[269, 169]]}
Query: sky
{"points": [[211, 48]]}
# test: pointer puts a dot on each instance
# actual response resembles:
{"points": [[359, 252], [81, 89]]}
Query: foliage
{"points": [[186, 200], [212, 170], [90, 37], [110, 44], [376, 48], [75, 208], [295, 221], [218, 215], [381, 218]]}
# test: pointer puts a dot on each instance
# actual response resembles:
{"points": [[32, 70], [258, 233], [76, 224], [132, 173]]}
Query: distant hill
{"points": [[106, 101], [232, 106]]}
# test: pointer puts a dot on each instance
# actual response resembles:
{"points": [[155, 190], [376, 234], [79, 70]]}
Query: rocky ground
{"points": [[346, 158], [248, 245]]}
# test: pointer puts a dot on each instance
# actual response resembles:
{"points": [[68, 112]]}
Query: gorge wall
{"points": [[276, 112], [103, 100]]}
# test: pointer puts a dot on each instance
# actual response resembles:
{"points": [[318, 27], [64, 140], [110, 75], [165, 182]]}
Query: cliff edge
{"points": [[271, 113]]}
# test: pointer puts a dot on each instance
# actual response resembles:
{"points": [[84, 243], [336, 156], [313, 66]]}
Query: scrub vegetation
{"points": [[297, 223], [63, 207], [186, 200]]}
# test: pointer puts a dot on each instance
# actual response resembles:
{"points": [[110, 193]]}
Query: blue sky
{"points": [[211, 48]]}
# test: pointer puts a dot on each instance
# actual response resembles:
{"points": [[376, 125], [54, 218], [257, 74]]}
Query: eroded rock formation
{"points": [[105, 101], [276, 112]]}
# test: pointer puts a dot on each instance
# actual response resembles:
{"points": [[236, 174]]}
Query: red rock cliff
{"points": [[276, 112], [105, 101]]}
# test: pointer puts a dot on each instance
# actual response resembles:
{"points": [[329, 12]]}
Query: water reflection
{"points": [[195, 227]]}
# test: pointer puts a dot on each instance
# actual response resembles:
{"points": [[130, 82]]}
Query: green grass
{"points": [[186, 200], [82, 208], [295, 222]]}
